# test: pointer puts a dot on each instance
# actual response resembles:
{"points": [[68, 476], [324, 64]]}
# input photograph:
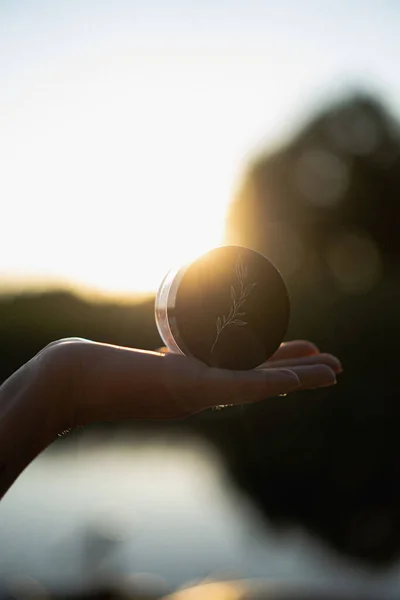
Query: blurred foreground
{"points": [[146, 516]]}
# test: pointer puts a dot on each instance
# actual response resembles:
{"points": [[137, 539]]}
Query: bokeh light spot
{"points": [[321, 177], [354, 131], [355, 262]]}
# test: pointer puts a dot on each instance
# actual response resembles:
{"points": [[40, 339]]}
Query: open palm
{"points": [[103, 382]]}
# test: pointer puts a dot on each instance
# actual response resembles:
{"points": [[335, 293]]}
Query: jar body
{"points": [[229, 308]]}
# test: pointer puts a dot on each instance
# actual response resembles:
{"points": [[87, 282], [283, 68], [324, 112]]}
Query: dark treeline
{"points": [[30, 321], [325, 209]]}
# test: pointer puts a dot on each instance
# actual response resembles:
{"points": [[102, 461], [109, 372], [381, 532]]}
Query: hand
{"points": [[73, 382], [108, 382]]}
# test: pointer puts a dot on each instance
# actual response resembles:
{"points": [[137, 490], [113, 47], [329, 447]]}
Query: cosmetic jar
{"points": [[228, 308]]}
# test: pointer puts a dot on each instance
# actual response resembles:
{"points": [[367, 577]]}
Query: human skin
{"points": [[74, 382]]}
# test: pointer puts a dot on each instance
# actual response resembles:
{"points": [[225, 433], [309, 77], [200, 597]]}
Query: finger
{"points": [[243, 387], [323, 359], [295, 349], [314, 376]]}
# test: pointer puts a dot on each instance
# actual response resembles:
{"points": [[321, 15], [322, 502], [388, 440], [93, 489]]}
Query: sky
{"points": [[125, 127]]}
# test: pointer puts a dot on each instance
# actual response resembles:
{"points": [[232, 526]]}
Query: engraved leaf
{"points": [[238, 299], [249, 288], [241, 301], [230, 314]]}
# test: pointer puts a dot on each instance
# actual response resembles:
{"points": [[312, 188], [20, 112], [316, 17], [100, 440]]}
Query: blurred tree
{"points": [[325, 208], [339, 177]]}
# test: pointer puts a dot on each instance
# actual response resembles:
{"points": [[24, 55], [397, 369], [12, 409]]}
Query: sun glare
{"points": [[109, 184]]}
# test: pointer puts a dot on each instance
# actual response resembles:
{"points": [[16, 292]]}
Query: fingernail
{"points": [[334, 363], [333, 382], [338, 367]]}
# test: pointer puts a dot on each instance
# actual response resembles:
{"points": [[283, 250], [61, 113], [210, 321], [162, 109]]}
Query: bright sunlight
{"points": [[120, 177], [124, 131]]}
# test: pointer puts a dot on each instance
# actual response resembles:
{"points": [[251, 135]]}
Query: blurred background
{"points": [[133, 137]]}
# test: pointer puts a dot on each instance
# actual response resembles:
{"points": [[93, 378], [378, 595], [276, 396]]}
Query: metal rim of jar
{"points": [[164, 308]]}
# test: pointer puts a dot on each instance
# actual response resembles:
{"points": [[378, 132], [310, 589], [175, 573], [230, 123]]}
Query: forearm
{"points": [[27, 423]]}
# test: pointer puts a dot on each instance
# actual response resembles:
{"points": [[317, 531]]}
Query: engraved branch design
{"points": [[238, 298]]}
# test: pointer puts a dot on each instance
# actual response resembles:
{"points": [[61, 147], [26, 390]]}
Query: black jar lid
{"points": [[229, 308]]}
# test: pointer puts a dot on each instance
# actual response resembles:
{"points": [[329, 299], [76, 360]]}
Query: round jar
{"points": [[229, 308]]}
